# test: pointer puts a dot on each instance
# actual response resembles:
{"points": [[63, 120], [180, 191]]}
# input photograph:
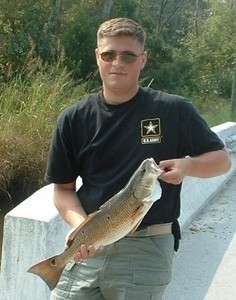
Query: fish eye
{"points": [[143, 171]]}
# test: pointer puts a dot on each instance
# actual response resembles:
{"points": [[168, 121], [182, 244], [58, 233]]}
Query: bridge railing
{"points": [[34, 231]]}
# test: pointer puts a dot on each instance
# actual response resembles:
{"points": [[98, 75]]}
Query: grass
{"points": [[215, 111], [29, 105]]}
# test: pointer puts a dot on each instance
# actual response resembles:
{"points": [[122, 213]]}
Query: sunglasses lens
{"points": [[108, 56], [129, 57], [126, 57]]}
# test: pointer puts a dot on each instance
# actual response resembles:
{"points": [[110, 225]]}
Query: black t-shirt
{"points": [[104, 144]]}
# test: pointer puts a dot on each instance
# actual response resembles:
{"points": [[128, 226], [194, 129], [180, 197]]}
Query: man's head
{"points": [[121, 27], [120, 58]]}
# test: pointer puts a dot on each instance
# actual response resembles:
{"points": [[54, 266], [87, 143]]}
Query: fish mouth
{"points": [[156, 192], [155, 189], [155, 168]]}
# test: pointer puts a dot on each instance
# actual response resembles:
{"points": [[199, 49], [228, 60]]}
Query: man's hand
{"points": [[206, 165], [175, 170], [84, 251]]}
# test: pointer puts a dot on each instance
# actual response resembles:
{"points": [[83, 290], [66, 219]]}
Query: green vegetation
{"points": [[29, 108], [47, 62]]}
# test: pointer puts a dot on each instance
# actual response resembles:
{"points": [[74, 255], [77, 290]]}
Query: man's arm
{"points": [[71, 210], [68, 204], [206, 165]]}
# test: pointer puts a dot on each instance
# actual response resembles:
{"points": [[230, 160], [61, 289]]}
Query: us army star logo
{"points": [[151, 127], [150, 131]]}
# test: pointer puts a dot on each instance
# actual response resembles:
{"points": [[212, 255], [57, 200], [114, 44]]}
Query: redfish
{"points": [[117, 217]]}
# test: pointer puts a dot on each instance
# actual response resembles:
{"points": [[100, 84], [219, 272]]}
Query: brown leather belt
{"points": [[152, 230]]}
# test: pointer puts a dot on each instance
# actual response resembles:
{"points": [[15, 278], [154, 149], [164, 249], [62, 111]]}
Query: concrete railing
{"points": [[34, 231]]}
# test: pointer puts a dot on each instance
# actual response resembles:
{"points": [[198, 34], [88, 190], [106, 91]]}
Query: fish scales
{"points": [[100, 231], [116, 218]]}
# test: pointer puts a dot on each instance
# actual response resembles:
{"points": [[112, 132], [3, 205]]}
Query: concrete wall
{"points": [[197, 192], [33, 230]]}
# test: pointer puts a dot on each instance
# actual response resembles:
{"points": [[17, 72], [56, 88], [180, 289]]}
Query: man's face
{"points": [[120, 74]]}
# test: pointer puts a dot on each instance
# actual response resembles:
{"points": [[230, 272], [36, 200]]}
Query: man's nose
{"points": [[118, 60]]}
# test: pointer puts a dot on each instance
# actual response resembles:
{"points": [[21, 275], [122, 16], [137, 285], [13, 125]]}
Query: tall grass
{"points": [[215, 110], [29, 105]]}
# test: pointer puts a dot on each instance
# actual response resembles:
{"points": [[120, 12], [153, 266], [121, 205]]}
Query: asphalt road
{"points": [[205, 266]]}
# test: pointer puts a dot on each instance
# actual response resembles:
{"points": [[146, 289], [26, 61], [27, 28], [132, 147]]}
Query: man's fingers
{"points": [[84, 252], [91, 251]]}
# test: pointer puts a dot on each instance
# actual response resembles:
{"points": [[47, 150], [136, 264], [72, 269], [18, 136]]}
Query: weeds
{"points": [[29, 105], [214, 110]]}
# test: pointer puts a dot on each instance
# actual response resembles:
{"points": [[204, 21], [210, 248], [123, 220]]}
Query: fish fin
{"points": [[113, 200], [138, 212], [136, 226], [48, 271], [136, 215], [110, 201]]}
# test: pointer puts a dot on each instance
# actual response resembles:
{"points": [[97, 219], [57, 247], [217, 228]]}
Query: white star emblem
{"points": [[151, 128]]}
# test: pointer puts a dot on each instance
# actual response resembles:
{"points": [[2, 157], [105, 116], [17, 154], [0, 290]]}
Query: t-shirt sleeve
{"points": [[61, 167], [199, 138]]}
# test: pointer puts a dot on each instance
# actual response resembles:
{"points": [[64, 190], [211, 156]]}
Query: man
{"points": [[103, 139]]}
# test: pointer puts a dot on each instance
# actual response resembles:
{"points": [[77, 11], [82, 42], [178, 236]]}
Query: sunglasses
{"points": [[126, 56]]}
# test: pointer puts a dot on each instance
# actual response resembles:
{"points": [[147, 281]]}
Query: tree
{"points": [[107, 9], [211, 53]]}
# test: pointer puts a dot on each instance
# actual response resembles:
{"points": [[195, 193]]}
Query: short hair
{"points": [[122, 27]]}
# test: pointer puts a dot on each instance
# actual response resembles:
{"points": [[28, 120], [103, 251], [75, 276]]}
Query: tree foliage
{"points": [[191, 44], [211, 52], [47, 61]]}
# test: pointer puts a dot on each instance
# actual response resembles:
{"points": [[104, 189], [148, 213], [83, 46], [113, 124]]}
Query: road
{"points": [[205, 266]]}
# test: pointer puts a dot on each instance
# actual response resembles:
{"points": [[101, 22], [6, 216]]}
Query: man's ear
{"points": [[144, 59]]}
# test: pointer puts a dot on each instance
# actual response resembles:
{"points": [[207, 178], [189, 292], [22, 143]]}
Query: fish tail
{"points": [[48, 270]]}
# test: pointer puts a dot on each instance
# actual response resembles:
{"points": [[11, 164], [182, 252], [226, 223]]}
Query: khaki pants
{"points": [[134, 268]]}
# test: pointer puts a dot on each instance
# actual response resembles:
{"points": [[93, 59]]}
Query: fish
{"points": [[116, 218]]}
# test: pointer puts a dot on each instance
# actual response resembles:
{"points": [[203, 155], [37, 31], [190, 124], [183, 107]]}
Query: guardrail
{"points": [[34, 231]]}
